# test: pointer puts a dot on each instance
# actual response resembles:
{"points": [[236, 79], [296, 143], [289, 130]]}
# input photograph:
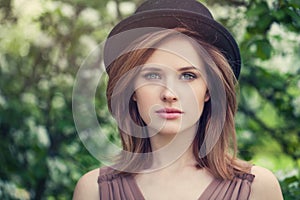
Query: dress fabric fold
{"points": [[114, 186]]}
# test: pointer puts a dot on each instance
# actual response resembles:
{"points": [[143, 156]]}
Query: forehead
{"points": [[177, 51]]}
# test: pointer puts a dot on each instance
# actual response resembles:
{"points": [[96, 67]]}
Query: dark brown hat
{"points": [[171, 14]]}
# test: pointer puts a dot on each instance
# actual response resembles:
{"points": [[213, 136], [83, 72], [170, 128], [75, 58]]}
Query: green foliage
{"points": [[41, 52], [268, 119], [290, 186], [44, 42]]}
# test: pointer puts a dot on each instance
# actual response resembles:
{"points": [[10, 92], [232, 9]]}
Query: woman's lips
{"points": [[169, 113]]}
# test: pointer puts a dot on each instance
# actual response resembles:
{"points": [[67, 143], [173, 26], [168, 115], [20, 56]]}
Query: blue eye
{"points": [[152, 76], [188, 76]]}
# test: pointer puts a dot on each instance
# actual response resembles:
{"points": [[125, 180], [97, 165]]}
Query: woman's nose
{"points": [[168, 96]]}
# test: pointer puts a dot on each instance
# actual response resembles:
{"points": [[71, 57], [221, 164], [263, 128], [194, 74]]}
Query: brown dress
{"points": [[124, 187]]}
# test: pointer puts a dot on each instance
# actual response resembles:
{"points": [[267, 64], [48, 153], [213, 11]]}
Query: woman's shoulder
{"points": [[265, 185], [87, 186]]}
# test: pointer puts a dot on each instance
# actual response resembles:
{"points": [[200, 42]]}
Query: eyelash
{"points": [[191, 76], [155, 76]]}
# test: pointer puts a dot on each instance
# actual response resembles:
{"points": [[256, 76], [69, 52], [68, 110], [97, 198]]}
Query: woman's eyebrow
{"points": [[156, 69], [187, 68]]}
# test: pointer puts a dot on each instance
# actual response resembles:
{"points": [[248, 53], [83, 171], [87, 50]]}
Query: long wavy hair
{"points": [[221, 160]]}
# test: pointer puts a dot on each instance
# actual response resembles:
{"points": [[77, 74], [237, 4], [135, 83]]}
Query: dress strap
{"points": [[117, 186], [239, 188]]}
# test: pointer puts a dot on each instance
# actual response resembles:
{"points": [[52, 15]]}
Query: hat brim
{"points": [[210, 31]]}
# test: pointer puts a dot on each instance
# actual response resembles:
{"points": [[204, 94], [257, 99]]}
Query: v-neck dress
{"points": [[124, 187]]}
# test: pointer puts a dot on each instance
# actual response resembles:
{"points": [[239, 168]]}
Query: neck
{"points": [[173, 150]]}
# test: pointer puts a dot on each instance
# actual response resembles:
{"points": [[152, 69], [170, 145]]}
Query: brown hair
{"points": [[221, 161]]}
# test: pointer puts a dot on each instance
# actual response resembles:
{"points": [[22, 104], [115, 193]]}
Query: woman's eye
{"points": [[188, 76], [151, 76]]}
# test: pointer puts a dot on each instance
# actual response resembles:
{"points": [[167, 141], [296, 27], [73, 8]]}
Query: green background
{"points": [[44, 42]]}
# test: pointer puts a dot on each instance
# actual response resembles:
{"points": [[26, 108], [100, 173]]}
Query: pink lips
{"points": [[169, 113]]}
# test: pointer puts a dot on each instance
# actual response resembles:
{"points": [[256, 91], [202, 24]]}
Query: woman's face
{"points": [[170, 91]]}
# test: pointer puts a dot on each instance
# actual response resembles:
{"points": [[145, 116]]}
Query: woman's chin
{"points": [[166, 130]]}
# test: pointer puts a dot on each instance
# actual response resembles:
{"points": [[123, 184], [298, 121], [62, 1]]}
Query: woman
{"points": [[172, 76]]}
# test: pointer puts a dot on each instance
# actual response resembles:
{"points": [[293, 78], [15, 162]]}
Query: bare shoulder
{"points": [[265, 185], [87, 186]]}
